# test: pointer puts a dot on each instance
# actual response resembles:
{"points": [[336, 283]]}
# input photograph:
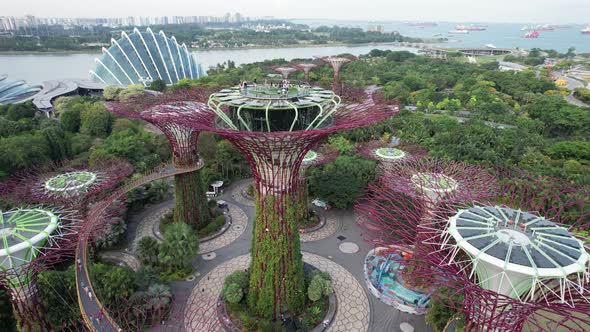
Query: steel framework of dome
{"points": [[141, 57]]}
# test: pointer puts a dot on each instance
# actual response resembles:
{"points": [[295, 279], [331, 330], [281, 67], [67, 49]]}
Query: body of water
{"points": [[36, 68], [502, 35]]}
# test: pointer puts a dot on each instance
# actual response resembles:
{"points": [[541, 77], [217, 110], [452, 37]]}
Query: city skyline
{"points": [[501, 11]]}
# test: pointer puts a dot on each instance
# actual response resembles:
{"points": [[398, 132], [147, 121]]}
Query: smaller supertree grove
{"points": [[393, 208], [285, 71], [306, 67], [515, 262], [33, 238]]}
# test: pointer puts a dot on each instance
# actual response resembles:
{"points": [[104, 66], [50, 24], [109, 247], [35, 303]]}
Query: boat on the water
{"points": [[422, 24], [458, 32], [586, 30], [545, 27], [532, 34], [492, 46], [471, 27]]}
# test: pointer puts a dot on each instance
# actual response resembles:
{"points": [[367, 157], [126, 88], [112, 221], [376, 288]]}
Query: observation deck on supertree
{"points": [[336, 63], [32, 238], [285, 71], [306, 67], [517, 262], [402, 201], [189, 192], [274, 127]]}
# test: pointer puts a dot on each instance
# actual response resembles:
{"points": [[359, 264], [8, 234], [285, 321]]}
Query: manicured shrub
{"points": [[233, 293]]}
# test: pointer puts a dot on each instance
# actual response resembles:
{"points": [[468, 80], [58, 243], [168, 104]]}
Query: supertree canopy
{"points": [[393, 209], [32, 239], [274, 128], [306, 67], [336, 63], [390, 154], [189, 192], [285, 71], [66, 185], [513, 261]]}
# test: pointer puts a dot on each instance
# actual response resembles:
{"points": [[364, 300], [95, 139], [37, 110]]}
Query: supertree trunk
{"points": [[26, 305], [276, 272], [190, 202]]}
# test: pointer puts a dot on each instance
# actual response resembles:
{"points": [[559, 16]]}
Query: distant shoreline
{"points": [[212, 49]]}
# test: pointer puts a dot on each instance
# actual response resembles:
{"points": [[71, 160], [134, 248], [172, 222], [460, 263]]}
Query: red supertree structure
{"points": [[33, 238], [404, 197], [313, 158], [59, 183], [391, 154], [306, 68], [274, 133], [285, 71], [336, 63], [517, 261], [189, 192]]}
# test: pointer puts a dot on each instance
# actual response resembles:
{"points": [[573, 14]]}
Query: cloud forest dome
{"points": [[141, 57], [274, 106], [15, 91]]}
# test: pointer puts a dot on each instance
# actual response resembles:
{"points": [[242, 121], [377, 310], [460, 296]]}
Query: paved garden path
{"points": [[352, 314], [237, 228]]}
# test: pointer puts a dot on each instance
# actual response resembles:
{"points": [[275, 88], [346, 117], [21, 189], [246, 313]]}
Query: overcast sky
{"points": [[548, 11]]}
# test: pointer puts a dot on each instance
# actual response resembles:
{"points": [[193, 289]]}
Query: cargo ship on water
{"points": [[471, 27], [458, 32], [586, 30], [422, 24]]}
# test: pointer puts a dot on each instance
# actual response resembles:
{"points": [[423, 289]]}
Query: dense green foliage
{"points": [[58, 294], [583, 95], [190, 201], [179, 246], [113, 284]]}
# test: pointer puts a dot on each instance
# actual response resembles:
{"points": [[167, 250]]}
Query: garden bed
{"points": [[314, 223], [315, 317]]}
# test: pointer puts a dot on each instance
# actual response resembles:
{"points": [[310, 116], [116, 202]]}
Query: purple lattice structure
{"points": [[336, 63], [58, 183], [275, 158], [33, 239], [515, 262], [393, 208], [389, 154], [285, 71], [306, 67]]}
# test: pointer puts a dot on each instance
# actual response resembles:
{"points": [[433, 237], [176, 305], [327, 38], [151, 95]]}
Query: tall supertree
{"points": [[518, 261], [274, 132], [404, 197], [322, 155], [285, 71], [189, 192], [32, 239], [336, 63], [306, 67]]}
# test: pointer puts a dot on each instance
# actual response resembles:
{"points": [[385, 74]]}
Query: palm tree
{"points": [[180, 244], [148, 249]]}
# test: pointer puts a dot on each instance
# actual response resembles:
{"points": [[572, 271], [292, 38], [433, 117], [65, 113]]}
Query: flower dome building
{"points": [[141, 57], [16, 91]]}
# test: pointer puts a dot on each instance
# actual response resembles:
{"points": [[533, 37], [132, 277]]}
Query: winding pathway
{"points": [[93, 313]]}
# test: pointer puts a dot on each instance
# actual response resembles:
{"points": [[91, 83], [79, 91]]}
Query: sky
{"points": [[534, 11]]}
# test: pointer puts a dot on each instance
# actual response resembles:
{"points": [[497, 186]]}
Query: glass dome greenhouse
{"points": [[141, 57]]}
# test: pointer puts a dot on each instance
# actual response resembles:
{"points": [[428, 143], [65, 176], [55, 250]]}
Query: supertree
{"points": [[404, 197], [274, 131], [33, 238], [336, 63], [189, 192], [391, 154], [517, 261], [62, 184], [306, 67], [285, 71], [323, 155]]}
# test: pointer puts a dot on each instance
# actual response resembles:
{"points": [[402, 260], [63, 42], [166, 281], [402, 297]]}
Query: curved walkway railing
{"points": [[95, 316]]}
